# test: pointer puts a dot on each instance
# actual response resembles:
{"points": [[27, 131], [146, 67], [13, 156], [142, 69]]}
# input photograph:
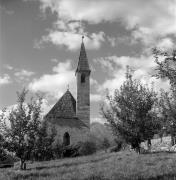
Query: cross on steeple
{"points": [[67, 87]]}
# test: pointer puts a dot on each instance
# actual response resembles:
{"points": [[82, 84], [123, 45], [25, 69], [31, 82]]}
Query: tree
{"points": [[20, 126], [2, 152], [168, 110], [166, 68], [129, 112], [44, 149], [105, 144]]}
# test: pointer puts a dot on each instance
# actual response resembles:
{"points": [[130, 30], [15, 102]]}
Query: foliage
{"points": [[99, 132], [166, 68], [167, 106], [87, 148], [105, 143], [71, 150], [24, 121], [79, 149], [44, 149], [130, 112]]}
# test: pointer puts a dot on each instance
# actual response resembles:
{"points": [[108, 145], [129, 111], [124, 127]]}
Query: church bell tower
{"points": [[83, 87]]}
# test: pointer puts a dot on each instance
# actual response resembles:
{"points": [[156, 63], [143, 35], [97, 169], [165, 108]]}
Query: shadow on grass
{"points": [[161, 177], [160, 152], [31, 176]]}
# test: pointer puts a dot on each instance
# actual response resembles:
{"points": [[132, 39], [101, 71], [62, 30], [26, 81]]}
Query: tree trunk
{"points": [[149, 144], [172, 139], [23, 165], [161, 139], [138, 148]]}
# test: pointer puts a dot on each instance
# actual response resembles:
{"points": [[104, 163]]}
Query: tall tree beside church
{"points": [[44, 149], [23, 124], [129, 112], [166, 68]]}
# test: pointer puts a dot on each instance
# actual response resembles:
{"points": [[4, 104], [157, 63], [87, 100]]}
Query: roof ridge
{"points": [[64, 107]]}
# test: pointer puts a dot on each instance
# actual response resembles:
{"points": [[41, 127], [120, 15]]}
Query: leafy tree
{"points": [[44, 149], [2, 152], [129, 112], [166, 68], [20, 126], [168, 110]]}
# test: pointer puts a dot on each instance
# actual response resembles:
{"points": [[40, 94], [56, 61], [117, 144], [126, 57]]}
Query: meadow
{"points": [[124, 165]]}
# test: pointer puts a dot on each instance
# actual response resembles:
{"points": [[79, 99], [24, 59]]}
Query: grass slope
{"points": [[101, 166]]}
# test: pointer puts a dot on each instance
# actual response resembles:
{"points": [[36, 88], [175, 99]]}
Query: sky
{"points": [[40, 43]]}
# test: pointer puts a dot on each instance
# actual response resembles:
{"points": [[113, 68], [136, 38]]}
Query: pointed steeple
{"points": [[83, 64]]}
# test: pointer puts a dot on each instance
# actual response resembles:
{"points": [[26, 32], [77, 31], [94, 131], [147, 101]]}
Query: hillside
{"points": [[101, 166], [100, 131]]}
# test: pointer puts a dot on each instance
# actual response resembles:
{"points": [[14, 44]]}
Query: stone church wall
{"points": [[76, 134]]}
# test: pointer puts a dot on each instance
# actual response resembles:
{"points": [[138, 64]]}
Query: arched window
{"points": [[83, 78], [66, 139]]}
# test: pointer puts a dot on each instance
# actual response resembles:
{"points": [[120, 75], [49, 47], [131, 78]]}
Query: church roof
{"points": [[83, 64], [69, 122], [63, 112]]}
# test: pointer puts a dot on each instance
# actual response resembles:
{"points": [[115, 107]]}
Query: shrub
{"points": [[87, 148], [6, 160], [105, 144], [70, 151], [80, 149], [119, 145]]}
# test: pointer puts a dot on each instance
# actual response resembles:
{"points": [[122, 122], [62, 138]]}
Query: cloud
{"points": [[6, 11], [143, 68], [7, 66], [23, 74], [72, 40], [93, 82], [55, 84], [165, 44], [95, 97], [5, 79], [147, 20], [54, 60]]}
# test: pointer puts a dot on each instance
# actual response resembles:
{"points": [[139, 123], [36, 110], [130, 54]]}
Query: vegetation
{"points": [[23, 131], [87, 148], [105, 144], [101, 166], [129, 112], [166, 69], [24, 120], [44, 148]]}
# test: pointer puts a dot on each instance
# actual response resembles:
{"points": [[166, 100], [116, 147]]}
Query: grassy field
{"points": [[100, 166]]}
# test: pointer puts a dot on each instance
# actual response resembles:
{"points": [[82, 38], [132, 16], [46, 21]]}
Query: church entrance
{"points": [[66, 139]]}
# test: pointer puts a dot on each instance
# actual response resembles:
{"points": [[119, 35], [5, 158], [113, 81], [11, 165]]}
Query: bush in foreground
{"points": [[87, 148], [80, 149]]}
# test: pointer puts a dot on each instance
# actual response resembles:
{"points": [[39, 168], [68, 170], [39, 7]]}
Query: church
{"points": [[72, 117]]}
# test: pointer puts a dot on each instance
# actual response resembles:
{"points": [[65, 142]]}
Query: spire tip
{"points": [[82, 38], [67, 87]]}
